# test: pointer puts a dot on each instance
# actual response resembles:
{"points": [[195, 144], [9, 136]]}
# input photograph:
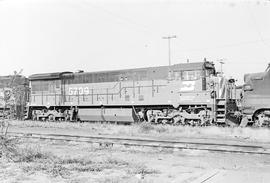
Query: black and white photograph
{"points": [[134, 91]]}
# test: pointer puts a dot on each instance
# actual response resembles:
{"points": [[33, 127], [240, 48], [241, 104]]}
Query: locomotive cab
{"points": [[256, 98]]}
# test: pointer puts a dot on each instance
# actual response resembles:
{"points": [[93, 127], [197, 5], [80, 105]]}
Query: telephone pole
{"points": [[169, 46], [221, 61]]}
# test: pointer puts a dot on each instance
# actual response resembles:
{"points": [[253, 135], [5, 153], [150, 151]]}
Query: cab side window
{"points": [[191, 75]]}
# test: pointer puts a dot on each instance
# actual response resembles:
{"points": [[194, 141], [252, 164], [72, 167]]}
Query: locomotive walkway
{"points": [[212, 145]]}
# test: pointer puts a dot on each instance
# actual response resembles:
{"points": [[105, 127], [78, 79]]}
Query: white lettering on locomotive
{"points": [[86, 91], [2, 93], [80, 91], [187, 86], [71, 91]]}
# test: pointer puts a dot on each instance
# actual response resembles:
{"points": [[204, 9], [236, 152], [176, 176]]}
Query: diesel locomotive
{"points": [[255, 102], [185, 93]]}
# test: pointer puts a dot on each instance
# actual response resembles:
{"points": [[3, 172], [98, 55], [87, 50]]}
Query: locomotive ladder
{"points": [[26, 112], [220, 110]]}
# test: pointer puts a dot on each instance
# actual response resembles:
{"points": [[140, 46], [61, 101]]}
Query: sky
{"points": [[41, 36]]}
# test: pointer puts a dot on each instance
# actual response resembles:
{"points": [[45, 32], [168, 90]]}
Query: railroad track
{"points": [[155, 143]]}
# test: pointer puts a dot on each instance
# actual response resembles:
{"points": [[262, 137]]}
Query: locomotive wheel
{"points": [[176, 120], [258, 119], [164, 121], [51, 118]]}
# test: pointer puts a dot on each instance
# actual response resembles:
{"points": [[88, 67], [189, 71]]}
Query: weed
{"points": [[154, 130], [78, 160], [145, 127], [63, 166], [110, 180], [161, 129], [8, 147], [142, 169], [115, 162], [58, 170], [89, 168], [31, 154]]}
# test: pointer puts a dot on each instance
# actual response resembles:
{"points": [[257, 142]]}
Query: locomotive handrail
{"points": [[112, 93], [206, 91]]}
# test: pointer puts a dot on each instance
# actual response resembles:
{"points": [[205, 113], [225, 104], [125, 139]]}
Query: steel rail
{"points": [[148, 142]]}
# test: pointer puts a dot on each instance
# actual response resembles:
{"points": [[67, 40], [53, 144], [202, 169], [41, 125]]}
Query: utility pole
{"points": [[221, 61], [169, 46]]}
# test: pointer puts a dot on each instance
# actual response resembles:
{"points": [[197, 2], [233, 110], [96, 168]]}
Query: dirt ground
{"points": [[72, 162]]}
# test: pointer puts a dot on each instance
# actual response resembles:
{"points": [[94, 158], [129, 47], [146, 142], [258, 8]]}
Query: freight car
{"points": [[186, 93], [13, 96], [255, 102]]}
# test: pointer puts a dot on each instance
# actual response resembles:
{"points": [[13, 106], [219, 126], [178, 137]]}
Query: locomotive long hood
{"points": [[47, 76]]}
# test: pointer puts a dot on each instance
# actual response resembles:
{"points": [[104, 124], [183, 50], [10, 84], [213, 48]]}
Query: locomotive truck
{"points": [[185, 93]]}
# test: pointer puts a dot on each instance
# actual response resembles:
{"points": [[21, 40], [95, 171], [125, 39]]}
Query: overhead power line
{"points": [[227, 45], [139, 26]]}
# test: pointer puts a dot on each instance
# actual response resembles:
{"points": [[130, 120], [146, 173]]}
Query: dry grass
{"points": [[46, 124], [32, 153], [32, 159], [8, 148], [65, 166], [146, 129], [142, 169], [168, 131]]}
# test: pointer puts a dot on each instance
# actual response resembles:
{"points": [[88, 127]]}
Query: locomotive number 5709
{"points": [[79, 91]]}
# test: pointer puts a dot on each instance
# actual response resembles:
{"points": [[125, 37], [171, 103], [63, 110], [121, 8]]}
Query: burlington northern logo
{"points": [[187, 86]]}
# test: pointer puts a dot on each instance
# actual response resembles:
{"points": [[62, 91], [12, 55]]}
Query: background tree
{"points": [[13, 98]]}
